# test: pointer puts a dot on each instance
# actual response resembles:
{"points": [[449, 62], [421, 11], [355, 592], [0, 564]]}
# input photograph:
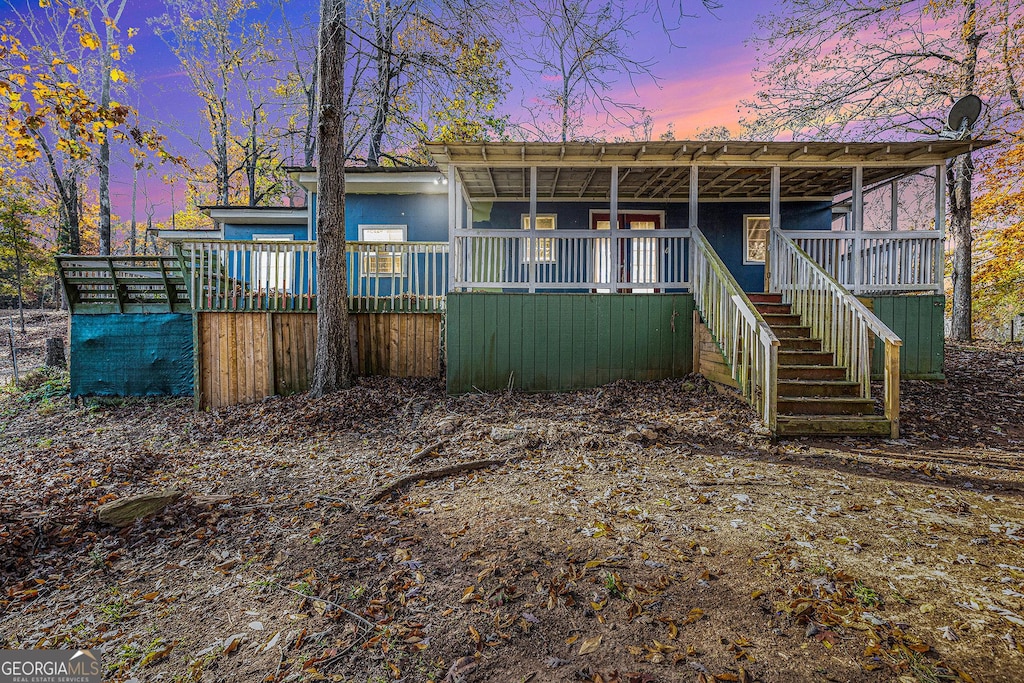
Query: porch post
{"points": [[894, 205], [858, 228], [694, 196], [694, 199], [531, 271], [774, 223], [452, 218], [940, 226], [613, 229]]}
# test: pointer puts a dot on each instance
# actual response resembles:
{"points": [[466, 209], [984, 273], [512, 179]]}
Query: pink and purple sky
{"points": [[701, 81]]}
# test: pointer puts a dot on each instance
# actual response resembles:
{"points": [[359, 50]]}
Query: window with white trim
{"points": [[545, 245], [755, 239], [271, 268], [381, 261]]}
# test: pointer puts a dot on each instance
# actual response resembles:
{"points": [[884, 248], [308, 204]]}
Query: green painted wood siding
{"points": [[560, 342], [919, 322]]}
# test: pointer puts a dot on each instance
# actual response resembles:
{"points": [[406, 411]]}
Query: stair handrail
{"points": [[748, 343], [836, 317]]}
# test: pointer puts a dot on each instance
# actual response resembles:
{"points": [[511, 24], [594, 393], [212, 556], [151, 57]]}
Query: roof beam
{"points": [[636, 157], [678, 172], [483, 152], [554, 185], [841, 152], [600, 154], [878, 153], [679, 153], [724, 149], [797, 153], [699, 152], [586, 184], [490, 177], [740, 185], [654, 178], [720, 177], [763, 149], [914, 153]]}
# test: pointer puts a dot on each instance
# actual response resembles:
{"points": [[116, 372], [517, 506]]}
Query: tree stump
{"points": [[54, 357]]}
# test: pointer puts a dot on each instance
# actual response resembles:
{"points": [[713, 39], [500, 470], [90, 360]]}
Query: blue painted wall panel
{"points": [[132, 355], [722, 223], [233, 231]]}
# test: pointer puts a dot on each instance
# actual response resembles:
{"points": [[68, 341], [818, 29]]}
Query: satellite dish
{"points": [[961, 117]]}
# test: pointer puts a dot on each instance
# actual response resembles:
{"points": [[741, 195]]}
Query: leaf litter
{"points": [[637, 532]]}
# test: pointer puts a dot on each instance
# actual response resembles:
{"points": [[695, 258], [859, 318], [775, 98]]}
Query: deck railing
{"points": [[877, 262], [235, 275], [748, 343], [123, 284], [844, 325], [600, 260]]}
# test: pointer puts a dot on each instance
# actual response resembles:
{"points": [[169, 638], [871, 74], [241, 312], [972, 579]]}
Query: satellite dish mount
{"points": [[962, 115]]}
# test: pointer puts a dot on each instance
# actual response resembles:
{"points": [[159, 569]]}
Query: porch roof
{"points": [[660, 170]]}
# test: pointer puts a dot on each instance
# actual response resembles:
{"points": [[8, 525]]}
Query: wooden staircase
{"points": [[814, 395]]}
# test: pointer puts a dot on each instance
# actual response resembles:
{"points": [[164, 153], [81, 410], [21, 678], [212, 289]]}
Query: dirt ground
{"points": [[637, 533], [29, 346]]}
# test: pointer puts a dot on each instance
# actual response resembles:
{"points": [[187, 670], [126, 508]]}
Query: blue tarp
{"points": [[132, 355]]}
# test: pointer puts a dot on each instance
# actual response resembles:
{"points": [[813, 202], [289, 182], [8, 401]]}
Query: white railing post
{"points": [[858, 228], [452, 210], [940, 227], [613, 228], [531, 269]]}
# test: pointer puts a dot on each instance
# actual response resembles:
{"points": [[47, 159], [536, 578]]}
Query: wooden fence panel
{"points": [[245, 357]]}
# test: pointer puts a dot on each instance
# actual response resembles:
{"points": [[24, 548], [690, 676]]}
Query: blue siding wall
{"points": [[233, 231], [425, 215], [722, 223]]}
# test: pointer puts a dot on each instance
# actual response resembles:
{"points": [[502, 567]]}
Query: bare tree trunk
{"points": [[17, 272], [135, 196], [962, 170], [385, 30], [104, 166], [960, 174], [333, 367]]}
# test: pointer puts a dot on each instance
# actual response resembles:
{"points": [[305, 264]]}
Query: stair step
{"points": [[825, 405], [832, 425], [791, 331], [822, 372], [818, 387], [762, 298], [773, 308], [784, 319], [806, 358], [799, 344]]}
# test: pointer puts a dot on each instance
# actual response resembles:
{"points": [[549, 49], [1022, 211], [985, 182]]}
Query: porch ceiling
{"points": [[661, 170]]}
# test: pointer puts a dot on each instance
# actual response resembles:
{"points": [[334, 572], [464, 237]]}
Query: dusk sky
{"points": [[701, 82]]}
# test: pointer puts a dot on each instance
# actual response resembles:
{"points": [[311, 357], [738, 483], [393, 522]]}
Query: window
{"points": [[545, 245], [381, 260], [271, 268], [755, 239]]}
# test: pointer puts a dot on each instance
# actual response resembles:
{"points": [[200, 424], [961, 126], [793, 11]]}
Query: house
{"points": [[559, 266]]}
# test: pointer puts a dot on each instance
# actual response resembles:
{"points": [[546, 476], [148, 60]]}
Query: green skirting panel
{"points": [[918, 321], [560, 342], [131, 354]]}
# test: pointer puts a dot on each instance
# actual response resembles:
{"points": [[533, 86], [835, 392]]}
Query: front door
{"points": [[637, 260]]}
